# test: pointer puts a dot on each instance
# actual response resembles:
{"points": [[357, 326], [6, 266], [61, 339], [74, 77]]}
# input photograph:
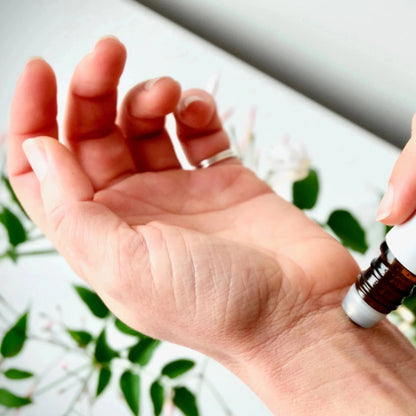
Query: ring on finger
{"points": [[218, 157]]}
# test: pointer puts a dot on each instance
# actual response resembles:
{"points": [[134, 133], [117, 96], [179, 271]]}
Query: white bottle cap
{"points": [[359, 311], [401, 240]]}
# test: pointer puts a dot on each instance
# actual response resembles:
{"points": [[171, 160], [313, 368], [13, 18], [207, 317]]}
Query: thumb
{"points": [[76, 225], [399, 201]]}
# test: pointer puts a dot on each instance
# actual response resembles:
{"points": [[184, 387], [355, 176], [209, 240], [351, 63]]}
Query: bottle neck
{"points": [[386, 282]]}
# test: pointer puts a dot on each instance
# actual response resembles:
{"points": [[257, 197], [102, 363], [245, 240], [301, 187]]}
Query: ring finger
{"points": [[142, 120], [199, 128]]}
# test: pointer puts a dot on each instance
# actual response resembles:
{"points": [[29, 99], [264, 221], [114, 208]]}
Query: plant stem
{"points": [[36, 252], [221, 401], [53, 342], [202, 374], [79, 394], [60, 380], [9, 306], [47, 369], [217, 395], [38, 236], [3, 318]]}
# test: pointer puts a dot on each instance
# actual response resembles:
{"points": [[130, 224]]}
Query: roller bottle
{"points": [[390, 278]]}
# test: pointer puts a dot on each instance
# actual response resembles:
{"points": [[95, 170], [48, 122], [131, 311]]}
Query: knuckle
{"points": [[56, 218]]}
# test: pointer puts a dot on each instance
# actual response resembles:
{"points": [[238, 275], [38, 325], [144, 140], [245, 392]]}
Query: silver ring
{"points": [[219, 157]]}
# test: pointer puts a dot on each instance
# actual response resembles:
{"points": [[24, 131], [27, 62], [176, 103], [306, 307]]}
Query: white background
{"points": [[354, 165]]}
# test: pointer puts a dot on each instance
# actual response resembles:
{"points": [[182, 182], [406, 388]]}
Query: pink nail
{"points": [[189, 100], [36, 155], [386, 204], [149, 84]]}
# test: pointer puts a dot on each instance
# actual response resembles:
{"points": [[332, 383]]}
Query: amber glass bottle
{"points": [[390, 278]]}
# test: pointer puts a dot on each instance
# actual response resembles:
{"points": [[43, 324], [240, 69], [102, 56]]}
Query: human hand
{"points": [[205, 258], [209, 258]]}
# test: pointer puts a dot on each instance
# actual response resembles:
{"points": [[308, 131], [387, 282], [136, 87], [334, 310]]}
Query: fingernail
{"points": [[108, 37], [187, 101], [149, 84], [191, 99], [103, 38], [35, 58], [36, 155], [386, 205]]}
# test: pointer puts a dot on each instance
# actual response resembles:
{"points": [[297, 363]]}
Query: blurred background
{"points": [[318, 84], [356, 58]]}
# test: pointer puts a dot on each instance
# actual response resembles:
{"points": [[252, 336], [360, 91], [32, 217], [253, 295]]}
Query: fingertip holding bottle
{"points": [[386, 205]]}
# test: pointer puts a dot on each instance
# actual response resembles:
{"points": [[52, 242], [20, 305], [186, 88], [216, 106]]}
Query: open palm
{"points": [[204, 257]]}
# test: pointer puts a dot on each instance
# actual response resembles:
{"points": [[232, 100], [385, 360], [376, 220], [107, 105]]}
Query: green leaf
{"points": [[14, 227], [348, 230], [177, 368], [17, 374], [13, 195], [305, 192], [103, 352], [9, 399], [410, 301], [82, 338], [92, 300], [130, 387], [104, 377], [142, 352], [387, 228], [157, 394], [125, 329], [14, 338], [12, 254], [185, 401]]}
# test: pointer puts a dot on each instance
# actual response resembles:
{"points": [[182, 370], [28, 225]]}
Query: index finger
{"points": [[33, 113]]}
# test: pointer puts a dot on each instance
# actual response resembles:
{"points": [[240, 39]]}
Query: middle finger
{"points": [[90, 129]]}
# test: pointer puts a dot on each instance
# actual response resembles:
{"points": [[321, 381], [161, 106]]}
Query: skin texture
{"points": [[211, 259]]}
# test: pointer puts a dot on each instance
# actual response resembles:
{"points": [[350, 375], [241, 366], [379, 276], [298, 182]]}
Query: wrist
{"points": [[327, 365]]}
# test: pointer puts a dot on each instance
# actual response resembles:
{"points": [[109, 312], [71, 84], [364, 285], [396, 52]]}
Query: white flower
{"points": [[285, 161], [226, 115], [213, 84], [406, 314], [248, 136]]}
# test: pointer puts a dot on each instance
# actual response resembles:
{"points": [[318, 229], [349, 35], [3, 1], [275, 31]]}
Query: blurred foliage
{"points": [[101, 359]]}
